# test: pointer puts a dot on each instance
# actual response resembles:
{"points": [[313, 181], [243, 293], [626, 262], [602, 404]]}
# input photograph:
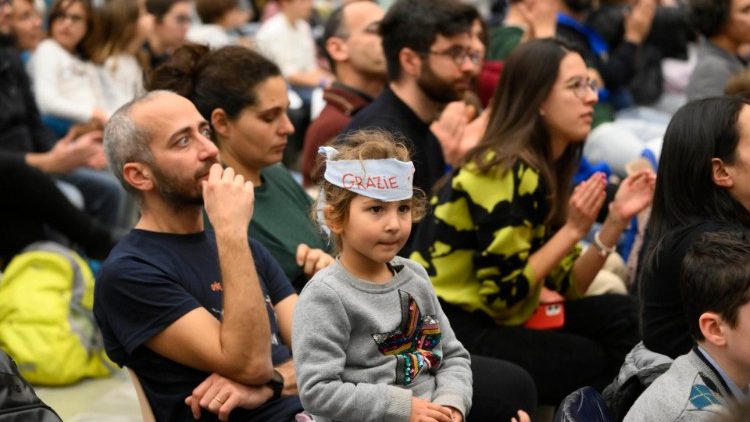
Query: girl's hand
{"points": [[585, 201], [456, 416], [522, 417], [426, 411], [634, 194]]}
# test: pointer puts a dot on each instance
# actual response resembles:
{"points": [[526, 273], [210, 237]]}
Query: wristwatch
{"points": [[277, 384]]}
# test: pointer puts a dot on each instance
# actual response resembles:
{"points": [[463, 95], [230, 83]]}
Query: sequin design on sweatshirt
{"points": [[412, 342]]}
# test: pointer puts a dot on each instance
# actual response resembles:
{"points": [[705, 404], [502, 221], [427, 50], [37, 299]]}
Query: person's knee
{"points": [[505, 380]]}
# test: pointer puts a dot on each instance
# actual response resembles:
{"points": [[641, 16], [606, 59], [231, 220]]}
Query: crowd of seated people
{"points": [[542, 138]]}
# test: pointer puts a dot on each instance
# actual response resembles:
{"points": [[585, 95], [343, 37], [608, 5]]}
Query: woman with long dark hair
{"points": [[703, 185], [507, 224]]}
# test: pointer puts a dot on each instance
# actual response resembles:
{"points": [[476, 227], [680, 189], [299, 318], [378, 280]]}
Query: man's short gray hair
{"points": [[127, 142]]}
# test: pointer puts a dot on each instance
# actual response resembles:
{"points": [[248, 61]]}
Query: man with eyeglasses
{"points": [[353, 48], [430, 62]]}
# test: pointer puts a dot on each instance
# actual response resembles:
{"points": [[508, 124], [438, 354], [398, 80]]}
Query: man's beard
{"points": [[180, 193], [437, 89]]}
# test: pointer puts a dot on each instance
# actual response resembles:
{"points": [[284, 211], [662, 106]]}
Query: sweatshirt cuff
{"points": [[398, 406], [454, 400]]}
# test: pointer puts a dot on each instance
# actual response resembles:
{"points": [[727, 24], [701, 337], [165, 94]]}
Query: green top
{"points": [[476, 243], [503, 40], [281, 221]]}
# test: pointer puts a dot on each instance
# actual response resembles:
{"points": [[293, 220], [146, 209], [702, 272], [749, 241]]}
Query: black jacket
{"points": [[21, 127], [669, 37]]}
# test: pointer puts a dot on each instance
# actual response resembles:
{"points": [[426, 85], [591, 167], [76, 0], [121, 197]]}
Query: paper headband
{"points": [[385, 179]]}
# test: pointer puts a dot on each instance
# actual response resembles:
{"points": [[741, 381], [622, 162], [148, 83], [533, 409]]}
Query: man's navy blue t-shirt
{"points": [[152, 279]]}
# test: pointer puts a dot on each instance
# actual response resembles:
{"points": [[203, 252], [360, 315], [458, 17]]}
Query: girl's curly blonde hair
{"points": [[362, 145]]}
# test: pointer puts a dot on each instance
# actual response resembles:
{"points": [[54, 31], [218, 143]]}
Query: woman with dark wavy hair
{"points": [[703, 184]]}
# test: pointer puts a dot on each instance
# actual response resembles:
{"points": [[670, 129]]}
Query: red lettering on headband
{"points": [[350, 181], [345, 183]]}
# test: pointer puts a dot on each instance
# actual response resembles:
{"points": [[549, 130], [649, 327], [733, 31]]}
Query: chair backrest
{"points": [[583, 405], [146, 413]]}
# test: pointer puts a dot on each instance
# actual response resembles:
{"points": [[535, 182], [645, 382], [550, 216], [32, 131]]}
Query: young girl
{"points": [[370, 341]]}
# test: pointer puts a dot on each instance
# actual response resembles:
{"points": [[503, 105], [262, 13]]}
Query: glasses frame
{"points": [[580, 87], [458, 56]]}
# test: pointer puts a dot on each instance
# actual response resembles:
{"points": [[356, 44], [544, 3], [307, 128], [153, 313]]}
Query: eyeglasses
{"points": [[459, 55], [73, 18], [581, 87]]}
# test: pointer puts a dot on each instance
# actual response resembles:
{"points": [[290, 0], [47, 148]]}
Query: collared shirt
{"points": [[738, 393]]}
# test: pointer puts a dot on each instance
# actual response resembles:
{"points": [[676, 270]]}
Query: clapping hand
{"points": [[634, 194], [585, 202]]}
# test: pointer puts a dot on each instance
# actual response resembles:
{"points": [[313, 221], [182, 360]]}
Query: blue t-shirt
{"points": [[152, 279]]}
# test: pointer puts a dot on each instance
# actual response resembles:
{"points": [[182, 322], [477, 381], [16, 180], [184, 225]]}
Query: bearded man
{"points": [[202, 317]]}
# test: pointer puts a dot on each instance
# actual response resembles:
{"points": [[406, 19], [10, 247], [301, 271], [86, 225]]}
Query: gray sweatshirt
{"points": [[713, 70], [361, 350]]}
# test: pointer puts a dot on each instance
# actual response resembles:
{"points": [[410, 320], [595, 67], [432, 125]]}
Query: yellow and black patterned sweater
{"points": [[477, 240]]}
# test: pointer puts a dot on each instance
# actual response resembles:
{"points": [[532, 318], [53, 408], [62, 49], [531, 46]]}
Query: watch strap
{"points": [[277, 384]]}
